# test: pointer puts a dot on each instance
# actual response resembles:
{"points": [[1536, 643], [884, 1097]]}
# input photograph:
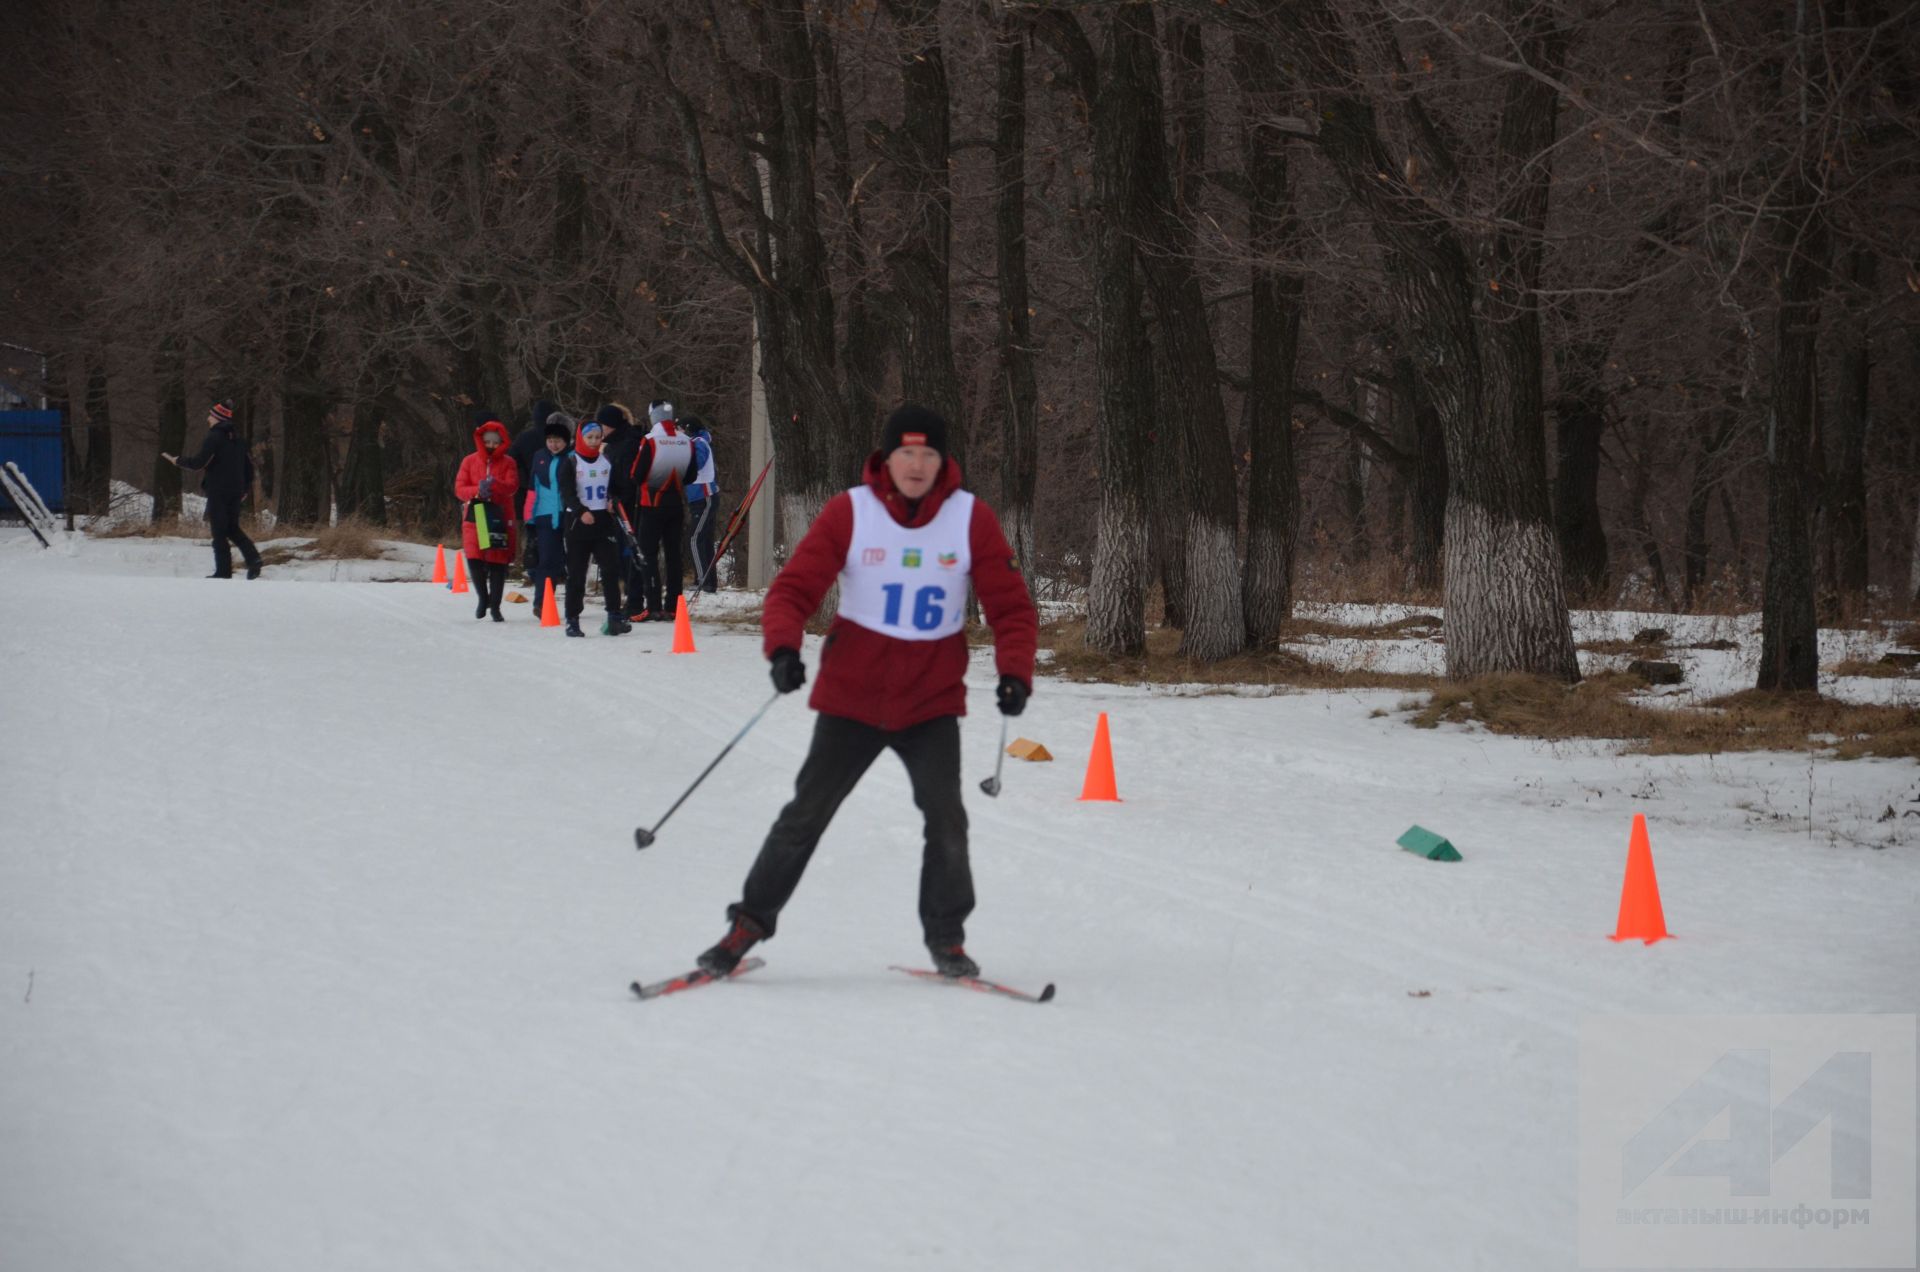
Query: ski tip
{"points": [[1046, 995]]}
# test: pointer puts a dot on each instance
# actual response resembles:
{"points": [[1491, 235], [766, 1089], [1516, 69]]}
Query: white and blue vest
{"points": [[591, 477], [908, 583]]}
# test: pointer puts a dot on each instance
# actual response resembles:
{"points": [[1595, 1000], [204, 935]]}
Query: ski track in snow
{"points": [[328, 902]]}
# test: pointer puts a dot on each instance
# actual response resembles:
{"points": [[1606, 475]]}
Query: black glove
{"points": [[789, 673], [1012, 695]]}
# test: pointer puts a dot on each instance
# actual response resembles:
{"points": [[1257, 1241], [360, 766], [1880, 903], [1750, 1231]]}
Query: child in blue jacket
{"points": [[550, 561]]}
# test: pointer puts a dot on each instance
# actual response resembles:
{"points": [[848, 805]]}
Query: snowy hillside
{"points": [[318, 906]]}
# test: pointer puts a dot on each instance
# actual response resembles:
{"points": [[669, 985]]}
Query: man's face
{"points": [[556, 444], [914, 469]]}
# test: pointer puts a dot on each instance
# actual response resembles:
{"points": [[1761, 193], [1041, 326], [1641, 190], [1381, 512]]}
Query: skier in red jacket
{"points": [[902, 547]]}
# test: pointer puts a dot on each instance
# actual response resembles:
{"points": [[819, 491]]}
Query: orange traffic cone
{"points": [[682, 629], [459, 575], [549, 612], [439, 564], [1641, 918], [1099, 783]]}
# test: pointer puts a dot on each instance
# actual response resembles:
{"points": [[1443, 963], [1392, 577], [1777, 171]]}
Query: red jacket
{"points": [[506, 480], [881, 680]]}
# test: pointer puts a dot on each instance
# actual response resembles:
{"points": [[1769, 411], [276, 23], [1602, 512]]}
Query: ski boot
{"points": [[724, 957], [952, 961]]}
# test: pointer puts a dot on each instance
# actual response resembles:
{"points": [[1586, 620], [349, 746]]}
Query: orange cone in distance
{"points": [[459, 575], [1099, 784], [682, 629], [549, 612], [439, 564], [1641, 918]]}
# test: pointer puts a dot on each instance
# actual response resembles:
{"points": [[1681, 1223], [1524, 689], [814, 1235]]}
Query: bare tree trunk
{"points": [[1847, 447], [96, 474], [1429, 519], [1580, 410], [1708, 472], [170, 369], [784, 266], [921, 263], [1358, 548], [869, 330], [363, 481], [305, 484], [1122, 558], [1473, 324], [1020, 449], [1169, 516], [1789, 624], [1273, 479], [1215, 627], [1639, 485]]}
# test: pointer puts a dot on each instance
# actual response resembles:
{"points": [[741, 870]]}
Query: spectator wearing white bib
{"points": [[903, 546], [585, 480]]}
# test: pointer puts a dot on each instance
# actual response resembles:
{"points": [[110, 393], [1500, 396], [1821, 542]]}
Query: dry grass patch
{"points": [[1624, 648], [174, 527], [1162, 663], [350, 540], [1599, 708], [1861, 667], [1412, 627]]}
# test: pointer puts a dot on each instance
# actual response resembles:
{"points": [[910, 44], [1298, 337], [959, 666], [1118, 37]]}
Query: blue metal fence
{"points": [[31, 439]]}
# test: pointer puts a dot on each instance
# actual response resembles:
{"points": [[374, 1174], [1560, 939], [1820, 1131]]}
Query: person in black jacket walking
{"points": [[526, 448], [226, 476]]}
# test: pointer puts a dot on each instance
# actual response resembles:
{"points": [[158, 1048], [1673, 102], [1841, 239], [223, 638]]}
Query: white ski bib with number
{"points": [[910, 584], [590, 480]]}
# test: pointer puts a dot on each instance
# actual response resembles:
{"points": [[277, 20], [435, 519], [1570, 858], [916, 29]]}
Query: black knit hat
{"points": [[912, 425], [542, 409], [222, 410], [612, 416], [560, 425]]}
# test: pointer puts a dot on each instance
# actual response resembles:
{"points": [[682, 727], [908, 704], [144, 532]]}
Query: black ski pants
{"points": [[223, 515], [596, 543], [841, 753], [660, 531], [700, 540], [550, 562]]}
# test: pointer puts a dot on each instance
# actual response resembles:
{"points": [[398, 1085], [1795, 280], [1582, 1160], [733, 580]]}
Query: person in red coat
{"points": [[488, 478], [902, 546]]}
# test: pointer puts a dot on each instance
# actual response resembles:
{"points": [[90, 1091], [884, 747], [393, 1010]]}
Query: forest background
{"points": [[1514, 305]]}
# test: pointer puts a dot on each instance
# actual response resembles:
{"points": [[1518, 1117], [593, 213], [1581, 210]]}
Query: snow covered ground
{"points": [[318, 904]]}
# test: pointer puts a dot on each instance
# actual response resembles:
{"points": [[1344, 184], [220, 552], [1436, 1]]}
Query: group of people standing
{"points": [[591, 491]]}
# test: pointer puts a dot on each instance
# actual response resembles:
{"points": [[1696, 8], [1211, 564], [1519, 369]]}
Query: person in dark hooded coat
{"points": [[226, 476]]}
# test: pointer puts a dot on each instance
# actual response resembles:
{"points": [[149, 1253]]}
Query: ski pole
{"points": [[991, 785], [642, 837]]}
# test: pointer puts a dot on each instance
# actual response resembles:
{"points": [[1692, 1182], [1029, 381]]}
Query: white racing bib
{"points": [[910, 584], [590, 480]]}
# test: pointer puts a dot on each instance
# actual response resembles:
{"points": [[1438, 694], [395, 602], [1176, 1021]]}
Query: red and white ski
{"points": [[978, 985], [692, 980]]}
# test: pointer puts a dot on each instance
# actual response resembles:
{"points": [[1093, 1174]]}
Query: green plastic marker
{"points": [[1424, 843]]}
